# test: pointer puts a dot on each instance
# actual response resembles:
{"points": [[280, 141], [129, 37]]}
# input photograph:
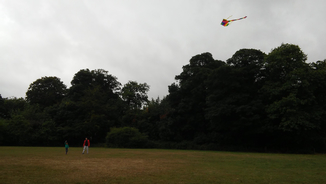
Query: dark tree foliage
{"points": [[11, 108], [29, 127], [92, 106], [85, 81], [188, 99], [3, 115], [134, 94], [252, 102], [14, 105], [289, 98], [157, 113], [46, 91], [318, 111], [135, 97], [126, 137], [3, 110], [234, 108]]}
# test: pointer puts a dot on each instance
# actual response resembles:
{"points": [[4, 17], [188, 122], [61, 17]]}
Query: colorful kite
{"points": [[226, 22]]}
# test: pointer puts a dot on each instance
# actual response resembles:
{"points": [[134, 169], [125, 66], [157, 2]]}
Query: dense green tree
{"points": [[3, 115], [86, 80], [11, 107], [149, 120], [92, 106], [46, 91], [188, 97], [288, 95], [286, 88], [273, 102], [30, 127], [3, 110], [14, 105], [134, 94], [317, 81], [233, 105], [157, 112]]}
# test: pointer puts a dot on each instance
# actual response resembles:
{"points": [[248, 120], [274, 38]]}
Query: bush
{"points": [[126, 137]]}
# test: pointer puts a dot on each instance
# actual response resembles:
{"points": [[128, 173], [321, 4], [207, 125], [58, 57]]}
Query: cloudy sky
{"points": [[144, 40]]}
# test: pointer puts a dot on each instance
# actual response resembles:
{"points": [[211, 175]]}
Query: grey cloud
{"points": [[144, 41]]}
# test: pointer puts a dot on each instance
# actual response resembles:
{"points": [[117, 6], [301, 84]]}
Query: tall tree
{"points": [[317, 81], [188, 115], [14, 105], [286, 87], [289, 98], [3, 115], [92, 105], [234, 108], [46, 91], [87, 80], [135, 94], [3, 110]]}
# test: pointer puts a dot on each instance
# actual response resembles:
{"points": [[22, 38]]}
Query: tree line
{"points": [[251, 102]]}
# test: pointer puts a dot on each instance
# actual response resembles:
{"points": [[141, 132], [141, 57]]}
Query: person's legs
{"points": [[84, 149], [87, 149], [66, 151]]}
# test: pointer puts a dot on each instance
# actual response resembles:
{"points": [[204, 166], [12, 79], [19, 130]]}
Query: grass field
{"points": [[103, 165]]}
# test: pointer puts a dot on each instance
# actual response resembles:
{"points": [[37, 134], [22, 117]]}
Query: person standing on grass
{"points": [[86, 144], [66, 146]]}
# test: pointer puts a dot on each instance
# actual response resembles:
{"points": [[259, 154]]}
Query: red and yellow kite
{"points": [[226, 22]]}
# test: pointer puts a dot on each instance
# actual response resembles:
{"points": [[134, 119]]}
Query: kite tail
{"points": [[237, 19]]}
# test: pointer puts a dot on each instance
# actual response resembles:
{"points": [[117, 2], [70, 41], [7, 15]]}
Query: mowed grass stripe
{"points": [[104, 165]]}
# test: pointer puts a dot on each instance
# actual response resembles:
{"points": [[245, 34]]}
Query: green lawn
{"points": [[103, 165]]}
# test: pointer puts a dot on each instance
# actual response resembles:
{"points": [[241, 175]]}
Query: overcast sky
{"points": [[144, 40]]}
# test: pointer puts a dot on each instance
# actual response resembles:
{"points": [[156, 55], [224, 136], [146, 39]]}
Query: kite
{"points": [[226, 22]]}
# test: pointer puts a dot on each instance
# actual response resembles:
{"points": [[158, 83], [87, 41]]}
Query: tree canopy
{"points": [[46, 91], [253, 101]]}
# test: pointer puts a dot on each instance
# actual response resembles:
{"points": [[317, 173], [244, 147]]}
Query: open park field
{"points": [[104, 165]]}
